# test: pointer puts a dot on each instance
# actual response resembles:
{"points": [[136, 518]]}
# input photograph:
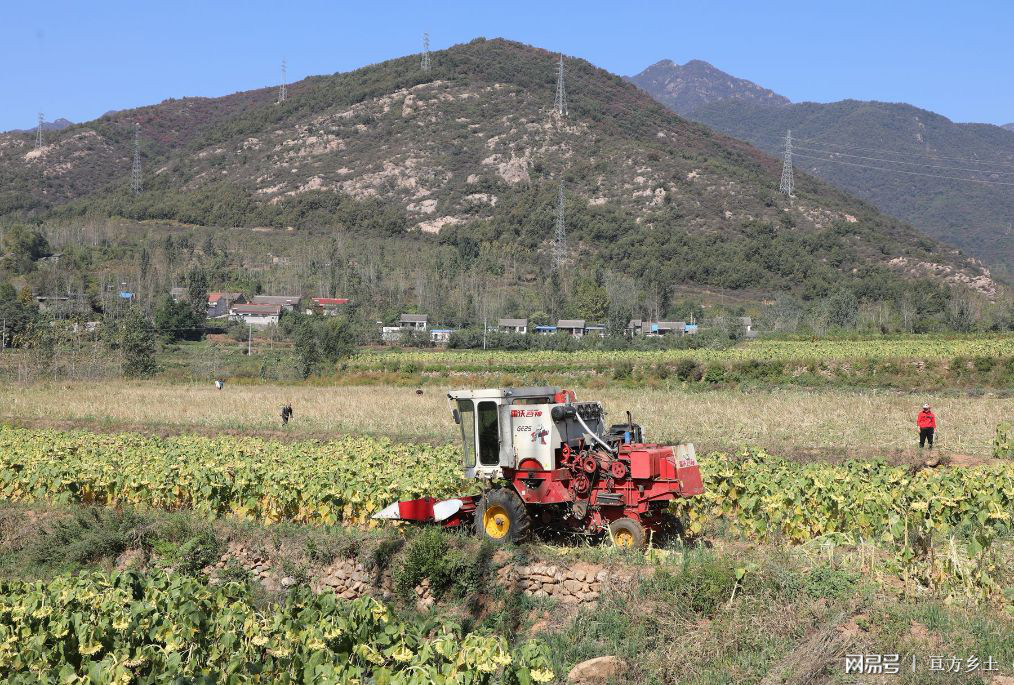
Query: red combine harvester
{"points": [[548, 461]]}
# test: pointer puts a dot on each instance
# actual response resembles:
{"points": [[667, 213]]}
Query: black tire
{"points": [[626, 532], [502, 511]]}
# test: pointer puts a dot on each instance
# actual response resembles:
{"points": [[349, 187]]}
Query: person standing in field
{"points": [[927, 426]]}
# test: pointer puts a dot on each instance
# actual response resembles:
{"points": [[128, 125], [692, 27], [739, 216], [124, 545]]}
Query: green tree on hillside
{"points": [[22, 247]]}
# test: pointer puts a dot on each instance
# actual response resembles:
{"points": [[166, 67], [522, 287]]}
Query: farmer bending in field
{"points": [[287, 414], [927, 424]]}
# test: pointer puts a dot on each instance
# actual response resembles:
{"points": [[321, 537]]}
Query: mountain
{"points": [[696, 83], [470, 155], [1009, 127], [57, 125], [893, 155]]}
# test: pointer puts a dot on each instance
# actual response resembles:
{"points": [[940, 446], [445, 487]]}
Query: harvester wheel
{"points": [[626, 532], [501, 517]]}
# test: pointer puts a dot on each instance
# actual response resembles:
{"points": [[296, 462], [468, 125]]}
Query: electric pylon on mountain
{"points": [[787, 186], [38, 133], [135, 173], [426, 52], [561, 91], [283, 87]]}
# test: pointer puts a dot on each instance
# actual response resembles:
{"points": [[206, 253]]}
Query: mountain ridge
{"points": [[848, 138], [472, 154]]}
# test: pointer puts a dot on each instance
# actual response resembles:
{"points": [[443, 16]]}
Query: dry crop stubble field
{"points": [[791, 422]]}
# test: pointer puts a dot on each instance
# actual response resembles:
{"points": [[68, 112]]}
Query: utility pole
{"points": [[282, 90], [425, 63], [484, 334], [249, 339], [787, 186], [135, 173], [561, 91], [38, 134], [560, 241]]}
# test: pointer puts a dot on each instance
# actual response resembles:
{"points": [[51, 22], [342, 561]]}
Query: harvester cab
{"points": [[545, 460]]}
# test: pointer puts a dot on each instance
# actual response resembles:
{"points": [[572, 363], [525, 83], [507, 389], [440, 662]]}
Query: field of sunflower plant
{"points": [[122, 628], [756, 495]]}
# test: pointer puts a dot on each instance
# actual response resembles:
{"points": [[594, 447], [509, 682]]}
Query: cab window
{"points": [[466, 410], [489, 434]]}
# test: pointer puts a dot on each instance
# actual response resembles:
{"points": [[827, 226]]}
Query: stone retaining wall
{"points": [[579, 584]]}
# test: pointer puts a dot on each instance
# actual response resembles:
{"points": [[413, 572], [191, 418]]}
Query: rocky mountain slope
{"points": [[473, 152], [893, 155], [684, 88]]}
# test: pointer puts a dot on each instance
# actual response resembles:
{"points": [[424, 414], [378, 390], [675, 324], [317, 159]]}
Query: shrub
{"points": [[428, 557], [830, 583], [703, 584], [1003, 443], [688, 370]]}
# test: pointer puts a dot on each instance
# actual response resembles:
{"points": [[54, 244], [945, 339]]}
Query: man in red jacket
{"points": [[927, 424]]}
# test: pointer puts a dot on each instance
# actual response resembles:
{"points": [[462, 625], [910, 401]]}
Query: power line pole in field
{"points": [[38, 133], [425, 64]]}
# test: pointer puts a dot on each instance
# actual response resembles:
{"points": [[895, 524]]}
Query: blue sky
{"points": [[81, 59]]}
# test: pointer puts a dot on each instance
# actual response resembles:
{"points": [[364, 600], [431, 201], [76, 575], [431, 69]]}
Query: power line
{"points": [[934, 158], [904, 171], [901, 161], [561, 91], [787, 185]]}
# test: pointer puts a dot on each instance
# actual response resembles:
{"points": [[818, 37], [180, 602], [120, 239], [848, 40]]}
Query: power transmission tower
{"points": [[38, 133], [561, 92], [560, 242], [135, 173], [787, 186], [282, 87], [426, 52]]}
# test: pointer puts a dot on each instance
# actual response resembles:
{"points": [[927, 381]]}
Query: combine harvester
{"points": [[547, 461]]}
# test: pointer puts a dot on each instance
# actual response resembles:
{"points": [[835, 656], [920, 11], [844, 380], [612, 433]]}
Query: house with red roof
{"points": [[328, 306], [220, 303]]}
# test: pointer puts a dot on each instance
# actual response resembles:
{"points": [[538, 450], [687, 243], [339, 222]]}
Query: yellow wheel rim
{"points": [[623, 538], [496, 522]]}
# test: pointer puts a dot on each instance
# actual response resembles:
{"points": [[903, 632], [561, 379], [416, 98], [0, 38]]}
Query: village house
{"points": [[256, 314], [440, 336], [512, 326], [655, 328], [574, 327], [545, 330], [390, 334], [178, 294], [286, 302], [328, 306], [220, 303], [414, 321]]}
